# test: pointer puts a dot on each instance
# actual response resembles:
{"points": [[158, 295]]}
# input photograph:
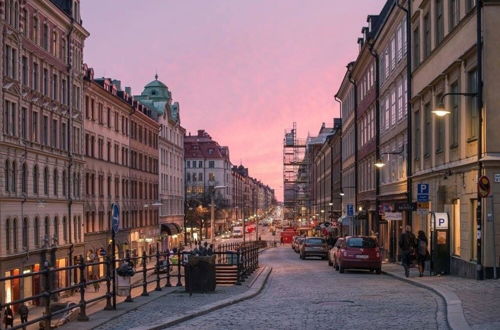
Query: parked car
{"points": [[62, 318], [333, 251], [313, 247], [296, 243], [358, 252]]}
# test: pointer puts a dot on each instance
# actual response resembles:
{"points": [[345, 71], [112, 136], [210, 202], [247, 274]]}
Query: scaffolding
{"points": [[296, 168]]}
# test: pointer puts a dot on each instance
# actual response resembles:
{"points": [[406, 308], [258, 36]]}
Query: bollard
{"points": [[129, 296], [158, 287], [144, 275], [109, 305], [83, 305], [179, 283], [168, 284]]}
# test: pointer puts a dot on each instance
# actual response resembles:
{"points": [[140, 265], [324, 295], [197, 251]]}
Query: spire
{"points": [[156, 76]]}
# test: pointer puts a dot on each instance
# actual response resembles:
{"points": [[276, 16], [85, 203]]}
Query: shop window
{"points": [[473, 237], [456, 227]]}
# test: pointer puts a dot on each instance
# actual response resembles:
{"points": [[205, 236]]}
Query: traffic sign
{"points": [[423, 191], [350, 210], [484, 186], [423, 188], [115, 218]]}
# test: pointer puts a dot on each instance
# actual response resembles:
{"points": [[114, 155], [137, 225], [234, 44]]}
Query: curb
{"points": [[252, 292], [454, 312]]}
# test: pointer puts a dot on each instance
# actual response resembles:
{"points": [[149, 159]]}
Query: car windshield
{"points": [[315, 241], [361, 242]]}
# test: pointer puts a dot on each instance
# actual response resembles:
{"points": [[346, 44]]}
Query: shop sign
{"points": [[497, 178], [393, 216], [406, 206]]}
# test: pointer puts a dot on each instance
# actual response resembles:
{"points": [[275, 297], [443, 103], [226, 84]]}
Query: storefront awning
{"points": [[170, 228]]}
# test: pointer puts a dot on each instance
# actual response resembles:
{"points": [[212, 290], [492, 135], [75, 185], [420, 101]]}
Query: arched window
{"points": [[6, 175], [46, 181], [56, 229], [47, 231], [65, 230], [35, 179], [56, 182], [64, 183], [14, 234], [25, 233], [34, 35], [24, 179], [36, 232], [25, 21], [7, 234], [13, 185]]}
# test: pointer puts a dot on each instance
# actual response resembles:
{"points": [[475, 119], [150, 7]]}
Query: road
{"points": [[308, 294]]}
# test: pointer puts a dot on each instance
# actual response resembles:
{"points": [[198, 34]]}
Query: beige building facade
{"points": [[445, 149]]}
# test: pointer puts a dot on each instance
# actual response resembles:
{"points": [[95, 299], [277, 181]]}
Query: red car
{"points": [[357, 252]]}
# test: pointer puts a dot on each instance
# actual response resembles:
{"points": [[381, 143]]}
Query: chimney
{"points": [[118, 84], [201, 132]]}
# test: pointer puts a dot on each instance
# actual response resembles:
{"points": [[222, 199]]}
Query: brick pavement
{"points": [[480, 299]]}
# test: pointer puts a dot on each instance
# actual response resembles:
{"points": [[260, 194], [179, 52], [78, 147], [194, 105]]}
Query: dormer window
{"points": [[153, 92]]}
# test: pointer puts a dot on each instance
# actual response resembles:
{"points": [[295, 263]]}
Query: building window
{"points": [[454, 116], [470, 4], [416, 47], [56, 229], [36, 232], [211, 164], [472, 105], [454, 13], [25, 234], [35, 179], [46, 181], [56, 182], [24, 122], [64, 178], [13, 185], [14, 234], [7, 175], [46, 231], [45, 37], [473, 227], [427, 130], [439, 21], [7, 234], [439, 130], [65, 229], [24, 179], [427, 36]]}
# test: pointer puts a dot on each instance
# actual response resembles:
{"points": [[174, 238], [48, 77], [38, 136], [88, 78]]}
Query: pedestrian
{"points": [[210, 250], [407, 244], [8, 317], [23, 313], [97, 286], [422, 252]]}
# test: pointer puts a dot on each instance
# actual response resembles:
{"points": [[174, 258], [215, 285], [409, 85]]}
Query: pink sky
{"points": [[244, 70]]}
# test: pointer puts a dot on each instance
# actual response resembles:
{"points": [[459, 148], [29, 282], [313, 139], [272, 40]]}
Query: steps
{"points": [[226, 274]]}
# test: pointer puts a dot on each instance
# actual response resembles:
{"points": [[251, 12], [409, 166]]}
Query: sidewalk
{"points": [[470, 303]]}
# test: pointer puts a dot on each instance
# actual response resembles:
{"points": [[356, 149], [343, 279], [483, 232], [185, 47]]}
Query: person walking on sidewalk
{"points": [[8, 318], [23, 313], [407, 244], [422, 252]]}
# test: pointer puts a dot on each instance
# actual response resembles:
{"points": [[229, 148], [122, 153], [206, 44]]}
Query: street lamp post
{"points": [[212, 212]]}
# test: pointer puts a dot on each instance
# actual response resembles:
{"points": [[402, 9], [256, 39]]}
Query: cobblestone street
{"points": [[310, 295], [303, 295]]}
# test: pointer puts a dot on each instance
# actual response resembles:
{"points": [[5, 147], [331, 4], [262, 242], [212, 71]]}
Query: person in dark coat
{"points": [[8, 318], [407, 244], [422, 252], [23, 313]]}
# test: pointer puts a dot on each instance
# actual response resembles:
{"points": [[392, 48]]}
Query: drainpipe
{"points": [[375, 55], [353, 82], [479, 105], [409, 144]]}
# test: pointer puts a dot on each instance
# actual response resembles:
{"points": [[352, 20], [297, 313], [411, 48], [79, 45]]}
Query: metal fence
{"points": [[152, 273]]}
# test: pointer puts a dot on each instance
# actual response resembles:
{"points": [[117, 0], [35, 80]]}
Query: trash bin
{"points": [[200, 274], [123, 286], [232, 258]]}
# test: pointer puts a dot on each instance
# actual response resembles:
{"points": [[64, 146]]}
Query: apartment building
{"points": [[41, 149]]}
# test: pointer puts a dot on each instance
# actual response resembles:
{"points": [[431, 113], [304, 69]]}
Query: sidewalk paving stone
{"points": [[479, 301]]}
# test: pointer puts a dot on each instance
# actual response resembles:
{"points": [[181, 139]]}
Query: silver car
{"points": [[314, 247]]}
